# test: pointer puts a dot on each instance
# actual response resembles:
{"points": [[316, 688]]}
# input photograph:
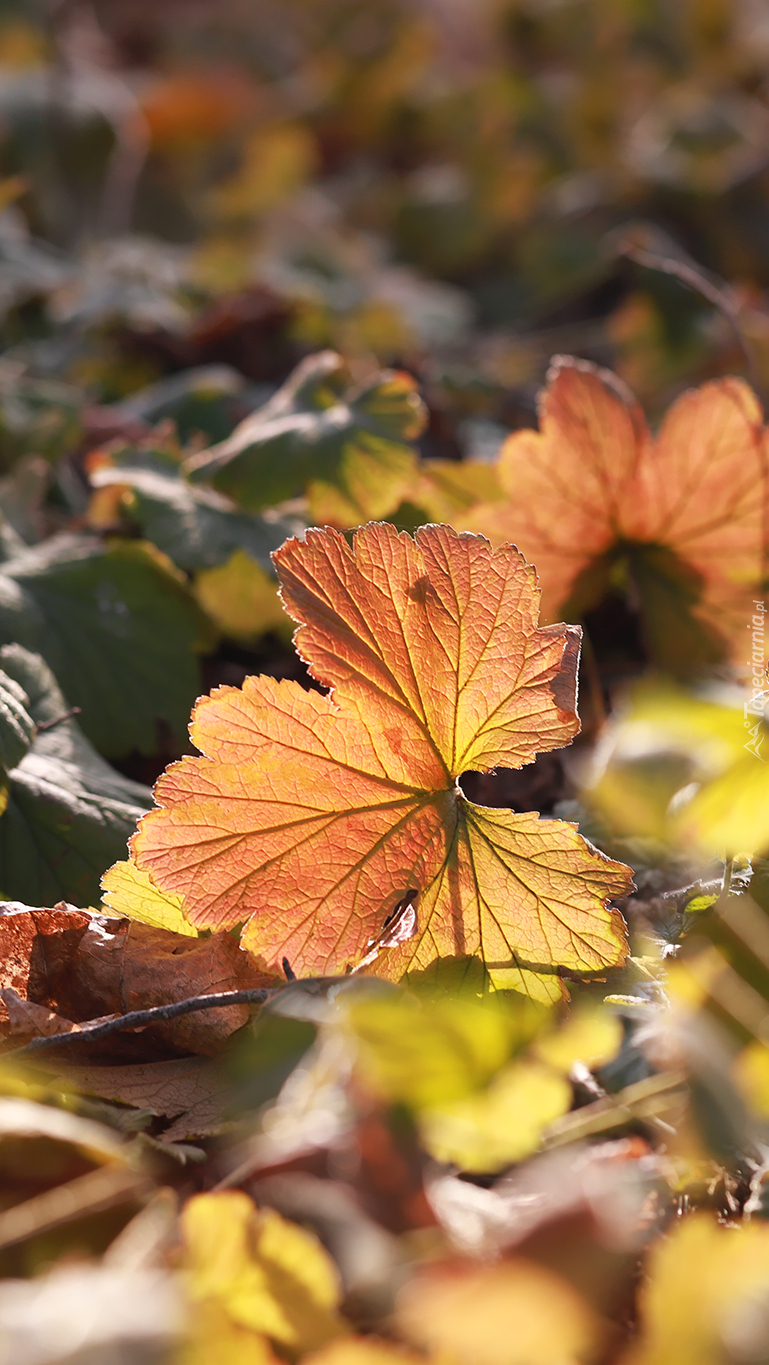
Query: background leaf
{"points": [[69, 813], [118, 629], [351, 454]]}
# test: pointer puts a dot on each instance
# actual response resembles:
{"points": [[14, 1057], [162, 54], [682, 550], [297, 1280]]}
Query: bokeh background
{"points": [[460, 188]]}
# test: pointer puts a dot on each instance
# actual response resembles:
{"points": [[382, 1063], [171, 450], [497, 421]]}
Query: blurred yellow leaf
{"points": [[213, 1336], [23, 46], [445, 487], [429, 1053], [682, 767], [242, 599], [361, 1351], [131, 892], [751, 1072], [276, 162], [502, 1124], [512, 1313], [591, 1036], [704, 1303], [266, 1273]]}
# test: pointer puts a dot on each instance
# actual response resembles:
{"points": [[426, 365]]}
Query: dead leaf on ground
{"points": [[37, 951], [188, 1090], [81, 967], [124, 966], [28, 1020]]}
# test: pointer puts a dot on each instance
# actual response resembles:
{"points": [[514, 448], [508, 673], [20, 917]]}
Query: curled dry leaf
{"points": [[312, 816], [123, 966], [81, 966], [37, 951], [28, 1020], [592, 493]]}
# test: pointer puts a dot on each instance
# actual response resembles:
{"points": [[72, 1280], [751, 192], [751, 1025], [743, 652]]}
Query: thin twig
{"points": [[140, 1018], [642, 1101], [694, 279], [59, 720]]}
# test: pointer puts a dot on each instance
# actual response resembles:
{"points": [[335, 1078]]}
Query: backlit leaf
{"points": [[445, 488], [688, 768], [704, 1301], [590, 1036], [350, 452], [126, 885], [241, 598], [315, 815], [484, 1077], [425, 1054], [487, 1131], [592, 494]]}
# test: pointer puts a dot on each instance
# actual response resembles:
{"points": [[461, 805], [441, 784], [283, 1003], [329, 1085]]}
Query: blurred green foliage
{"points": [[448, 186]]}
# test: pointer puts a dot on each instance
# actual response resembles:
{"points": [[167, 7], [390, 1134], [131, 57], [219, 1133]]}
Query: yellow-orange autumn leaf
{"points": [[312, 816], [593, 498], [133, 894], [263, 1272]]}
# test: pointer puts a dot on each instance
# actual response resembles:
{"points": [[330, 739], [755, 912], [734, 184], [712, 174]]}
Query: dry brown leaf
{"points": [[82, 967], [188, 1090], [28, 1020], [37, 950], [123, 966]]}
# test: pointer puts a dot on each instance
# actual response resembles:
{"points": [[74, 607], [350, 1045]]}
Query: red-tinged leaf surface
{"points": [[687, 510], [312, 816], [37, 951]]}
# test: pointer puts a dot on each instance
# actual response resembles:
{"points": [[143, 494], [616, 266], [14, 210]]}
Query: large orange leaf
{"points": [[312, 816], [687, 512]]}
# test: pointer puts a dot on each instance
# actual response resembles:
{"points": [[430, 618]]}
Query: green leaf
{"points": [[38, 417], [350, 455], [17, 727], [196, 527], [118, 629], [69, 814], [433, 1051], [486, 1131], [199, 400]]}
